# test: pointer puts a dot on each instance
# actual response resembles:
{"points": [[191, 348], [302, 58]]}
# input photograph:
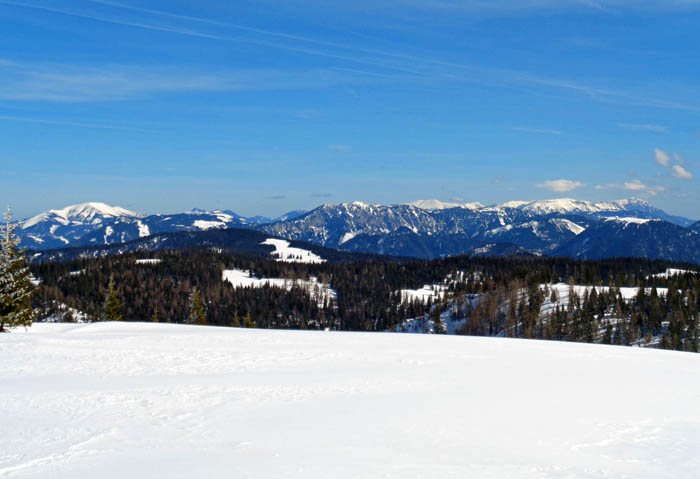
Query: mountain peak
{"points": [[89, 212], [442, 205]]}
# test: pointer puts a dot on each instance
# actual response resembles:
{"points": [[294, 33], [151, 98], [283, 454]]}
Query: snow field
{"points": [[240, 278], [116, 400], [285, 252]]}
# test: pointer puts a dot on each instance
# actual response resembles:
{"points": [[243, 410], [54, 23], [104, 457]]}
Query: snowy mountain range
{"points": [[431, 228], [424, 229], [97, 223]]}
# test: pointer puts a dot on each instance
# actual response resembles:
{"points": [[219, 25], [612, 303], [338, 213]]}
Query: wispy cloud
{"points": [[340, 147], [662, 158], [536, 131], [74, 83], [643, 127], [401, 66], [679, 172], [75, 124], [275, 197], [321, 195], [561, 185], [634, 185]]}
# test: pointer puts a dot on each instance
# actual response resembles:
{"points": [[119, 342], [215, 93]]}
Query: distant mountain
{"points": [[634, 237], [244, 242], [98, 223], [423, 229], [695, 227]]}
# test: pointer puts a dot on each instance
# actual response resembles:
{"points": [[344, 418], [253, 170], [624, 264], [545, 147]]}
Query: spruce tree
{"points": [[198, 314], [249, 322], [15, 282], [438, 325], [112, 305], [155, 318], [236, 321]]}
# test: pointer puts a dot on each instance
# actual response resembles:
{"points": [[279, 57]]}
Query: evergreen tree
{"points": [[15, 283], [249, 322], [112, 305], [155, 318], [438, 325], [236, 321], [198, 314]]}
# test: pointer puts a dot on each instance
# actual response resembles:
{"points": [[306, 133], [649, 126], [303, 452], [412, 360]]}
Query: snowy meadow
{"points": [[158, 400]]}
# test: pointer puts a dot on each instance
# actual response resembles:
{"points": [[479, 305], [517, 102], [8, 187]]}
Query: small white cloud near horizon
{"points": [[679, 172], [633, 185], [662, 158], [561, 185]]}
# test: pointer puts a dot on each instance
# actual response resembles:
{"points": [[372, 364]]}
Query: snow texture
{"points": [[240, 278], [115, 400], [432, 292], [285, 252]]}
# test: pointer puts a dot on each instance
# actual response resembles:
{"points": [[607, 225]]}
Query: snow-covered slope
{"points": [[115, 400], [441, 205]]}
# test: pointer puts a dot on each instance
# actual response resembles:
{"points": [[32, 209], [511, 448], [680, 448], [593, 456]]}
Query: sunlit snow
{"points": [[115, 400]]}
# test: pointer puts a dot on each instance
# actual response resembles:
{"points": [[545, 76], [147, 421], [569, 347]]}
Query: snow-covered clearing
{"points": [[114, 400], [241, 278], [148, 261], [562, 290], [673, 272], [285, 252], [428, 292]]}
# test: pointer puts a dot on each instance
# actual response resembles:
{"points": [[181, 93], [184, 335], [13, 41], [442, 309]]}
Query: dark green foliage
{"points": [[15, 284], [112, 306], [197, 314], [368, 296]]}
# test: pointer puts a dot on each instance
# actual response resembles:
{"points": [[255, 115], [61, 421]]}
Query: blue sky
{"points": [[261, 108]]}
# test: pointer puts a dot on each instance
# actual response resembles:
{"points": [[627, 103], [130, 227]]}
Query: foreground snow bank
{"points": [[116, 400]]}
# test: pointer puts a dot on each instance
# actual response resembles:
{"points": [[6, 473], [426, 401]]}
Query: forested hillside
{"points": [[516, 297]]}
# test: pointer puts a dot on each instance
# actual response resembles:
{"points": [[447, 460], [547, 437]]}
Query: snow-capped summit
{"points": [[442, 205], [572, 206], [83, 213]]}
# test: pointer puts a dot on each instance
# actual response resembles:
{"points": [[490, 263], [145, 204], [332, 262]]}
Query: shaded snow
{"points": [[114, 400]]}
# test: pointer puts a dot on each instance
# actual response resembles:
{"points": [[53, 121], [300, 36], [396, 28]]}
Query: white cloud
{"points": [[662, 158], [561, 185], [679, 172], [633, 185], [679, 159]]}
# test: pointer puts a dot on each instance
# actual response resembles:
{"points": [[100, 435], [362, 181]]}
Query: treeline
{"points": [[368, 294], [598, 314]]}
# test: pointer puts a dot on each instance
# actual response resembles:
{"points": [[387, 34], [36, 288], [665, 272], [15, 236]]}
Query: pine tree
{"points": [[155, 318], [15, 283], [236, 321], [112, 305], [198, 314], [249, 322], [438, 325]]}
